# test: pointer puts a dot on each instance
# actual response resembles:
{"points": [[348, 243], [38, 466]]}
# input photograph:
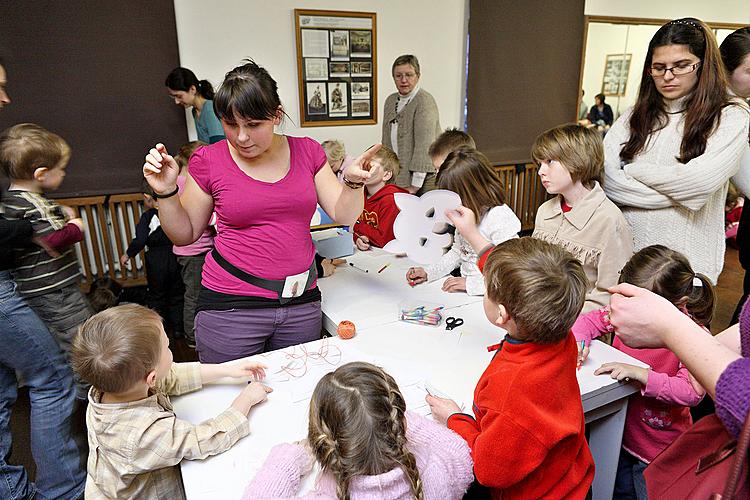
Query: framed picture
{"points": [[336, 67], [616, 71]]}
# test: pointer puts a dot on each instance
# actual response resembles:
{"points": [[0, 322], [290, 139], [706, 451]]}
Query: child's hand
{"points": [[441, 408], [583, 353], [251, 395], [624, 372], [330, 265], [68, 212], [247, 370], [463, 218], [362, 242], [161, 170], [454, 284], [125, 260], [78, 222], [416, 275]]}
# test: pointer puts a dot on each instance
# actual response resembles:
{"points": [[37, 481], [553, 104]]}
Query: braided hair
{"points": [[358, 426]]}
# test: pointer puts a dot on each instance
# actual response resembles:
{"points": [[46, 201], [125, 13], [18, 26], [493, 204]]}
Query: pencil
{"points": [[383, 268]]}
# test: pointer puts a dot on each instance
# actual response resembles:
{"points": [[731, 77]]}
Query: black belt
{"points": [[272, 285]]}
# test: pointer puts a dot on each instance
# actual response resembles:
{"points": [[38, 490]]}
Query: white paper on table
{"points": [[421, 225]]}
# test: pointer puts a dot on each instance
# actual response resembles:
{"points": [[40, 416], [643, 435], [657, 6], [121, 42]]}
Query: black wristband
{"points": [[158, 196]]}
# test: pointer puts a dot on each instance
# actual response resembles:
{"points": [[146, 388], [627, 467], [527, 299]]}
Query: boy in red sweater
{"points": [[375, 225], [527, 436]]}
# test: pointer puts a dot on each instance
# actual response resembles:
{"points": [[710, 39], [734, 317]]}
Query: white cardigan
{"points": [[678, 205]]}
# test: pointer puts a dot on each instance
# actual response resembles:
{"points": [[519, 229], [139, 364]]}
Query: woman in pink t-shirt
{"points": [[259, 291]]}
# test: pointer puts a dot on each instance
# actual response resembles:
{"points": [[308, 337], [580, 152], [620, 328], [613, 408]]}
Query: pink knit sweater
{"points": [[443, 460]]}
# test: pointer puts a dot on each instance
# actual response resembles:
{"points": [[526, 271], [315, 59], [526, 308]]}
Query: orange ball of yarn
{"points": [[346, 329]]}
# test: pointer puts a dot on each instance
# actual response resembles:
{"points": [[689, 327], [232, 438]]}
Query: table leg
{"points": [[605, 439]]}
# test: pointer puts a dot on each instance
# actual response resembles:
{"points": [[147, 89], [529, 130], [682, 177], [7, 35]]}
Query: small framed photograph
{"points": [[316, 69], [361, 42], [338, 98], [360, 108], [360, 90], [339, 69], [316, 99], [361, 68], [339, 45], [616, 72], [314, 43]]}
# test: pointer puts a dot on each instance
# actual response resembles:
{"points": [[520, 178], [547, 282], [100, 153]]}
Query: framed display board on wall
{"points": [[336, 67], [616, 71]]}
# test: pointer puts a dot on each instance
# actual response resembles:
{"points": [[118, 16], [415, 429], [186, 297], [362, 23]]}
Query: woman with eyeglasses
{"points": [[410, 124], [669, 158]]}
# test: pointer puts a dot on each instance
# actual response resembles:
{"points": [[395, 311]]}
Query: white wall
{"points": [[725, 11], [214, 37]]}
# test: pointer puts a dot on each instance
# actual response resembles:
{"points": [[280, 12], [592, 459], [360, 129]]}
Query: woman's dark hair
{"points": [[734, 48], [248, 91], [600, 97], [668, 273], [702, 107], [183, 79]]}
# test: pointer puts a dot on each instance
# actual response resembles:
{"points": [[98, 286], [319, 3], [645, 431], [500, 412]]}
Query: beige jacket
{"points": [[418, 127], [596, 233], [135, 448]]}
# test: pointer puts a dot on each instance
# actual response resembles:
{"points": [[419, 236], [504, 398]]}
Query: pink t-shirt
{"points": [[203, 244], [263, 227]]}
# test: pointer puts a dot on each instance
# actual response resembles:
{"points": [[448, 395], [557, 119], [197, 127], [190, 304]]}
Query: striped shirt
{"points": [[34, 270]]}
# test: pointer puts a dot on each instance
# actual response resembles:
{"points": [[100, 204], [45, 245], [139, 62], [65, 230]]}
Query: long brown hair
{"points": [[703, 106], [357, 426], [668, 273], [469, 173]]}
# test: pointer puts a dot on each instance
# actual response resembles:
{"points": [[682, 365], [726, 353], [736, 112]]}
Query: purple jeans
{"points": [[226, 335]]}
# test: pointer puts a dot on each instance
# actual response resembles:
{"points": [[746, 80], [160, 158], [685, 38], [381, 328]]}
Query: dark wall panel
{"points": [[93, 72], [524, 64]]}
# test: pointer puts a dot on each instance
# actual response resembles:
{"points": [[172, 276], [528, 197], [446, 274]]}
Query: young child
{"points": [[660, 413], [733, 213], [191, 257], [450, 140], [165, 289], [337, 157], [581, 218], [104, 293], [374, 227], [35, 160], [367, 445], [135, 440], [527, 436], [468, 173]]}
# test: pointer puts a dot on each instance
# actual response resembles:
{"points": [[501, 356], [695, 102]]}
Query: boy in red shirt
{"points": [[527, 436], [375, 225]]}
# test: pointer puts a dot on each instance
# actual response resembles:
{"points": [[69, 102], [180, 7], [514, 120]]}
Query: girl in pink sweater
{"points": [[367, 445], [660, 413]]}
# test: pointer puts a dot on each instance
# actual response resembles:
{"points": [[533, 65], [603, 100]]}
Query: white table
{"points": [[451, 361]]}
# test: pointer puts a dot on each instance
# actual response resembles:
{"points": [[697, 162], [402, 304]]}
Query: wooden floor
{"points": [[728, 290]]}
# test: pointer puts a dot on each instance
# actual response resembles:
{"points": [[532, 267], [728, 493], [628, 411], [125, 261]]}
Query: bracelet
{"points": [[158, 196], [353, 185]]}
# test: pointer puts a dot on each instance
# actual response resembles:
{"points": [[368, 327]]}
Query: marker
{"points": [[358, 268], [494, 347], [383, 268], [579, 361]]}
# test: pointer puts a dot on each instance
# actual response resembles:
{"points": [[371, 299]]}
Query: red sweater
{"points": [[376, 220], [527, 440]]}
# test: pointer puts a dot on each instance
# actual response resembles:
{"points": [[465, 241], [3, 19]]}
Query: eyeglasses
{"points": [[408, 76], [680, 69]]}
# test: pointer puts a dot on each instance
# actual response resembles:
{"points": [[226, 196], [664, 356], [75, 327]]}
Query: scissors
{"points": [[451, 323]]}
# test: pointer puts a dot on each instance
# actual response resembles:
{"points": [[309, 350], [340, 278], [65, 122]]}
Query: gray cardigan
{"points": [[418, 127]]}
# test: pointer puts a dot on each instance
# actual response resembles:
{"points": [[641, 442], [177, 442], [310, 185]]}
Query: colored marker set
{"points": [[422, 315]]}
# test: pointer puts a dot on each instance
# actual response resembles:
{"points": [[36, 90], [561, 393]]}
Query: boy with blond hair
{"points": [[448, 141], [35, 160], [135, 440], [374, 227], [527, 432]]}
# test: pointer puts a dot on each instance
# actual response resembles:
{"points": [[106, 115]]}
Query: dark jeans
{"points": [[629, 482], [192, 268], [63, 311], [29, 349], [165, 289]]}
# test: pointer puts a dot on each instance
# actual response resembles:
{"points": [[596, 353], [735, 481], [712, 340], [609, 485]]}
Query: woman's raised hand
{"points": [[161, 170], [359, 170]]}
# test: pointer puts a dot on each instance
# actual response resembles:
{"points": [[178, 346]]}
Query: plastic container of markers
{"points": [[421, 313]]}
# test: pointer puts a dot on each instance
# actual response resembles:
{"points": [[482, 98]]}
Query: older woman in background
{"points": [[410, 124]]}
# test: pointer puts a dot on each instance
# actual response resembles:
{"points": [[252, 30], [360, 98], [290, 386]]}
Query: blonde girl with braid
{"points": [[367, 445]]}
